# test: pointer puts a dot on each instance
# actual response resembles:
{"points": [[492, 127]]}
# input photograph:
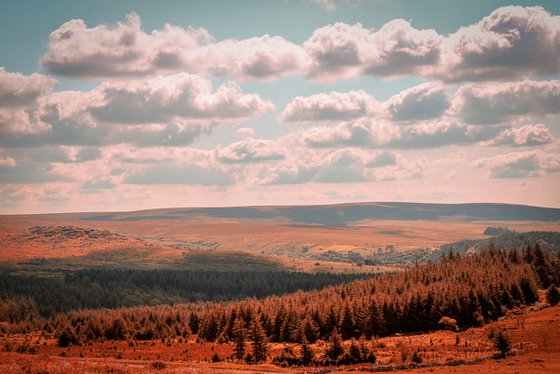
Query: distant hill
{"points": [[344, 214]]}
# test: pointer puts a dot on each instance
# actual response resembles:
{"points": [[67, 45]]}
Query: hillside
{"points": [[345, 214], [337, 238]]}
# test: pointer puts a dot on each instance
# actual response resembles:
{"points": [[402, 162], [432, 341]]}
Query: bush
{"points": [[158, 365], [553, 295], [502, 342], [67, 337]]}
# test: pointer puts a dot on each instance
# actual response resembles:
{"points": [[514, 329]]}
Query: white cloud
{"points": [[511, 42], [521, 164], [342, 166], [491, 103], [332, 106], [380, 134], [259, 58], [170, 110], [342, 50], [426, 101], [528, 135], [104, 51], [245, 132], [19, 101], [351, 134], [125, 50], [249, 150], [173, 98]]}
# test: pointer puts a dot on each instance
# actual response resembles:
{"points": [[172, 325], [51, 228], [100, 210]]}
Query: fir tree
{"points": [[259, 340], [306, 353], [553, 295], [335, 350], [239, 338]]}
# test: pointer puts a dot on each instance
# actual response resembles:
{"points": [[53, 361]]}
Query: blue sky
{"points": [[362, 100]]}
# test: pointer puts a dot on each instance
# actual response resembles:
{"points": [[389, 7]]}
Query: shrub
{"points": [[553, 295], [502, 342], [158, 365], [416, 358]]}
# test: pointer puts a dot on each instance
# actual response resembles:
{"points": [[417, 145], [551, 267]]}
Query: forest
{"points": [[455, 293], [112, 288]]}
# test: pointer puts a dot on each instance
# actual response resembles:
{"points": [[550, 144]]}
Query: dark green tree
{"points": [[259, 340], [553, 295], [502, 342], [239, 338], [306, 353], [335, 350]]}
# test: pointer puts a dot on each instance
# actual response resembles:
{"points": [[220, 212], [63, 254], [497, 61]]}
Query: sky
{"points": [[128, 105]]}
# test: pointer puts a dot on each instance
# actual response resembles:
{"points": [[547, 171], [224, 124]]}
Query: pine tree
{"points": [[502, 342], [335, 350], [239, 337], [375, 324], [259, 339], [310, 330], [354, 352], [553, 295], [306, 353], [347, 324]]}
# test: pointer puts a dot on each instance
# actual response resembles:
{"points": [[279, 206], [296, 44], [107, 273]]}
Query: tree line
{"points": [[113, 288]]}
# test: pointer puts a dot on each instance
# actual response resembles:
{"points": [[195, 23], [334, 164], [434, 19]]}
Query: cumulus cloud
{"points": [[342, 166], [245, 132], [498, 102], [513, 41], [249, 150], [121, 50], [423, 102], [168, 110], [19, 101], [528, 135], [426, 101], [382, 159], [258, 58], [332, 106], [348, 50], [174, 98], [351, 134], [125, 50], [372, 134], [521, 164]]}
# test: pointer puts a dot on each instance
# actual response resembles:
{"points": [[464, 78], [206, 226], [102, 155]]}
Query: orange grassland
{"points": [[170, 237]]}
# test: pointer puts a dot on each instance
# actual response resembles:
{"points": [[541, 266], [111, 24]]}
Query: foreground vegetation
{"points": [[457, 293]]}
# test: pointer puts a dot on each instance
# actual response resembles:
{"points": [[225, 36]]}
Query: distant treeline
{"points": [[549, 240], [113, 288], [495, 231]]}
